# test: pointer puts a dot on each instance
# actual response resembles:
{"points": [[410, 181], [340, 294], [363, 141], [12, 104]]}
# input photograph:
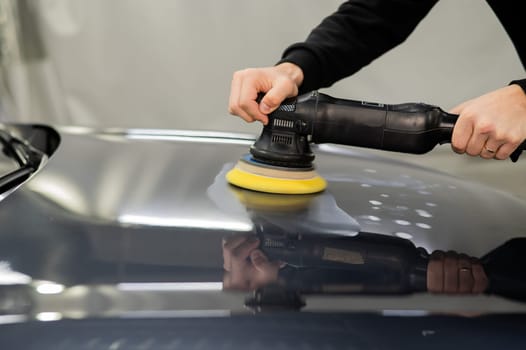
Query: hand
{"points": [[455, 273], [492, 125], [246, 267], [278, 83]]}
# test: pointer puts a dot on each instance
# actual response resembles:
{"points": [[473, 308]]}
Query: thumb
{"points": [[276, 95], [259, 259], [269, 269]]}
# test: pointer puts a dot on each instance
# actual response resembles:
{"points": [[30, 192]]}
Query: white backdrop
{"points": [[168, 63]]}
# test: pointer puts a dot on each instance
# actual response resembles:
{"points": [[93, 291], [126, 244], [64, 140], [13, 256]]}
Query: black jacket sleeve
{"points": [[349, 39], [521, 83]]}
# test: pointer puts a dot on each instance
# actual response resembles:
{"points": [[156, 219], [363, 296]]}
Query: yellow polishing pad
{"points": [[271, 180]]}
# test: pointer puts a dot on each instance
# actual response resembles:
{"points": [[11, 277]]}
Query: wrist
{"points": [[294, 72]]}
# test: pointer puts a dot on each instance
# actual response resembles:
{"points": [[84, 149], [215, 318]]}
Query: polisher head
{"points": [[259, 176]]}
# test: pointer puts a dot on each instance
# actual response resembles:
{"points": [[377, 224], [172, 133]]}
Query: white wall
{"points": [[168, 63]]}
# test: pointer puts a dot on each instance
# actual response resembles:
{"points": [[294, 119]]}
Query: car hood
{"points": [[137, 220]]}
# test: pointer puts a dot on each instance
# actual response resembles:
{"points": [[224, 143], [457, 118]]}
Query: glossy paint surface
{"points": [[133, 223]]}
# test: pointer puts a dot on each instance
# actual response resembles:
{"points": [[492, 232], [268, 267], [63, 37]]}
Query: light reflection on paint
{"points": [[404, 235], [365, 185], [183, 222], [403, 222], [49, 316], [422, 225], [429, 204], [423, 213], [170, 286], [373, 202], [45, 287], [384, 195]]}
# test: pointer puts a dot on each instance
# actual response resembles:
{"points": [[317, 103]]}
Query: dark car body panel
{"points": [[131, 224]]}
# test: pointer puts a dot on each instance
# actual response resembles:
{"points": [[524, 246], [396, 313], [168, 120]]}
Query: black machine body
{"points": [[318, 118]]}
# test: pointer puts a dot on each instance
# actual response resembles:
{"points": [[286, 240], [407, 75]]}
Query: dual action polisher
{"points": [[281, 160]]}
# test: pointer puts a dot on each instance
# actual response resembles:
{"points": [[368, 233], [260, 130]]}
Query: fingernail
{"points": [[264, 108]]}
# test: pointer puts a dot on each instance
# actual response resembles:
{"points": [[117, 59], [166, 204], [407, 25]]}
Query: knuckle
{"points": [[472, 152], [244, 105], [237, 75], [485, 127], [514, 140], [467, 116]]}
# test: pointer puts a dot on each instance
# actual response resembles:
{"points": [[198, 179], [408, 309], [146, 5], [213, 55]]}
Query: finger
{"points": [[243, 95], [259, 259], [476, 144], [242, 251], [248, 100], [490, 149], [229, 244], [234, 94], [504, 151], [234, 106], [227, 280], [233, 241], [450, 272], [282, 89], [465, 276], [268, 270], [480, 279], [461, 134], [435, 272]]}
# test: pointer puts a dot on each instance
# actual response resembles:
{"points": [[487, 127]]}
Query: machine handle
{"points": [[409, 128]]}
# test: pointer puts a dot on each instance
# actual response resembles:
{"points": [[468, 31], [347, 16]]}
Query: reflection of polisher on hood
{"points": [[378, 264], [296, 230], [310, 232], [366, 263]]}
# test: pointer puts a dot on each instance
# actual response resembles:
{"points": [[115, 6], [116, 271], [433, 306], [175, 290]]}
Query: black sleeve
{"points": [[357, 33], [521, 83], [504, 267]]}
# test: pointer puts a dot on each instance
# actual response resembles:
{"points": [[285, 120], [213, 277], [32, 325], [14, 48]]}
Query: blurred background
{"points": [[168, 64]]}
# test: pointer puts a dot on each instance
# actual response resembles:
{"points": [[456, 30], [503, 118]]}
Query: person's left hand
{"points": [[492, 125], [247, 267]]}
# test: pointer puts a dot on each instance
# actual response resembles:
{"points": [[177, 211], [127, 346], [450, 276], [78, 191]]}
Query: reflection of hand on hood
{"points": [[247, 267], [453, 273]]}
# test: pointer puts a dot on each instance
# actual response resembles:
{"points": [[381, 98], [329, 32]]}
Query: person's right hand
{"points": [[453, 273], [277, 83]]}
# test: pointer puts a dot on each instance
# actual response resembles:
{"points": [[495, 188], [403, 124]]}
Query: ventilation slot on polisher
{"points": [[283, 139], [283, 123]]}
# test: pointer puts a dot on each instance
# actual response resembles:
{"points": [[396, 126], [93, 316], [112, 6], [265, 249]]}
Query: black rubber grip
{"points": [[409, 128]]}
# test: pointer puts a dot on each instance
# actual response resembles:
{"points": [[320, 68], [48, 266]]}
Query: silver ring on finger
{"points": [[488, 150]]}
